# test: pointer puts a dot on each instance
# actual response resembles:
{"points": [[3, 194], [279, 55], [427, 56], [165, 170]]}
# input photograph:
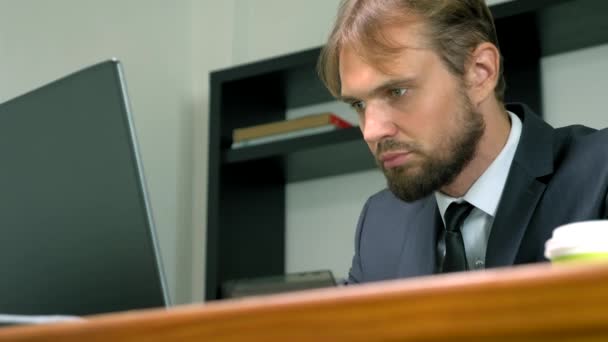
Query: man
{"points": [[472, 183]]}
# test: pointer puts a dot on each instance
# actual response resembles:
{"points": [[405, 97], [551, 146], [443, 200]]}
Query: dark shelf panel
{"points": [[511, 8], [329, 160], [558, 28], [573, 25], [309, 157], [275, 64], [292, 145]]}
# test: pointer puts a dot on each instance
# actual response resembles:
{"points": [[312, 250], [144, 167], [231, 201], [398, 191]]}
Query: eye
{"points": [[397, 92], [358, 106]]}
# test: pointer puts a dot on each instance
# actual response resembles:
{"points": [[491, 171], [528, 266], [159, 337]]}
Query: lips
{"points": [[394, 159]]}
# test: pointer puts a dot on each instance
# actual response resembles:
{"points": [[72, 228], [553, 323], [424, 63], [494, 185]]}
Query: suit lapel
{"points": [[523, 190], [512, 217], [419, 247]]}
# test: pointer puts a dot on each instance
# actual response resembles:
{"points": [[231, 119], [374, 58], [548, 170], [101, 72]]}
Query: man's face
{"points": [[414, 114]]}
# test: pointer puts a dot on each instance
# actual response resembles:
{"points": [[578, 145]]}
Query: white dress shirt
{"points": [[485, 196]]}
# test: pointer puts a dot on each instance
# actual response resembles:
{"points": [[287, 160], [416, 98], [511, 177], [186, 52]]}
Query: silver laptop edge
{"points": [[156, 247]]}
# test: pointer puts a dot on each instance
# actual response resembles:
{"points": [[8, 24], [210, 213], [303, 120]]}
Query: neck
{"points": [[493, 140]]}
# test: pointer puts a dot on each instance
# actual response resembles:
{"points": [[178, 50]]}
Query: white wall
{"points": [[212, 42], [267, 28], [574, 87], [167, 48]]}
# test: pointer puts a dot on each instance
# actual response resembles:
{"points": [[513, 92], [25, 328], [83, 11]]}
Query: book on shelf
{"points": [[292, 125], [284, 136]]}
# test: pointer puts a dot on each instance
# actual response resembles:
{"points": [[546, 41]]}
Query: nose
{"points": [[377, 123]]}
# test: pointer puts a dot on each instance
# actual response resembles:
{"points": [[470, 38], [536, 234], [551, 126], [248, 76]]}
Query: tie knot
{"points": [[455, 215]]}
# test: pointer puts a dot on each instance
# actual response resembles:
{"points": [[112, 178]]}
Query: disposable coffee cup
{"points": [[585, 241]]}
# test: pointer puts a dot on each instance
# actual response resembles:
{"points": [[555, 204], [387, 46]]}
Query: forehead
{"points": [[409, 34], [401, 55], [385, 46]]}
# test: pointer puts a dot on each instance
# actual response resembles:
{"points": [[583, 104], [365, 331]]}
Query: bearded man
{"points": [[472, 183]]}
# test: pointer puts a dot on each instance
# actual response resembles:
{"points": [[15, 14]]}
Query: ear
{"points": [[482, 72]]}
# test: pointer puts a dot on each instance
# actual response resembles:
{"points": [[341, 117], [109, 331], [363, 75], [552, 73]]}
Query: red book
{"points": [[285, 126]]}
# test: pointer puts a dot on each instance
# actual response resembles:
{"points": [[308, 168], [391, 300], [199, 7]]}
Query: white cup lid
{"points": [[577, 238]]}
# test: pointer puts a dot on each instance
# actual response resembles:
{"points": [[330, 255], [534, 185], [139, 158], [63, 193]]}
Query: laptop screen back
{"points": [[76, 234]]}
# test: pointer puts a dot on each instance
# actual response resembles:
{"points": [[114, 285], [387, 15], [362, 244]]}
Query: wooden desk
{"points": [[530, 303]]}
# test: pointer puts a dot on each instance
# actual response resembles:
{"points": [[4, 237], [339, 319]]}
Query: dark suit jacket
{"points": [[557, 176]]}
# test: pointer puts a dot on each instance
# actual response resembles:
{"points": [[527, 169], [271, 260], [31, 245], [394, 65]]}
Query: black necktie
{"points": [[455, 257]]}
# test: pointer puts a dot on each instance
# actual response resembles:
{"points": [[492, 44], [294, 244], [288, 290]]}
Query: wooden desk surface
{"points": [[528, 303]]}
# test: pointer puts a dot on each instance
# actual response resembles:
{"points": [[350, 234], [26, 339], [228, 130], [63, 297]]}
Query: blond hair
{"points": [[454, 28]]}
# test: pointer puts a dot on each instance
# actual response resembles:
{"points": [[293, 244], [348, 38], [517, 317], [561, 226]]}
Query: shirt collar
{"points": [[486, 192]]}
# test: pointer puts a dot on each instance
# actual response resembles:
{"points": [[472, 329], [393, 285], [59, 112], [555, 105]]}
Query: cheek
{"points": [[436, 120]]}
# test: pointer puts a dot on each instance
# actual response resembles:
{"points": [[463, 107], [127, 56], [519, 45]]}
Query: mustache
{"points": [[387, 145]]}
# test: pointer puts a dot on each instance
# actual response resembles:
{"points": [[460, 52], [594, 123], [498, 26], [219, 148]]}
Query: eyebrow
{"points": [[389, 84]]}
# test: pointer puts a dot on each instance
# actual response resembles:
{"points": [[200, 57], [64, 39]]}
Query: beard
{"points": [[425, 172]]}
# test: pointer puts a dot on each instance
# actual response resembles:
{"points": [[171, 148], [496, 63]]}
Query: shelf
{"points": [[294, 74], [313, 156], [573, 25], [267, 66], [558, 28], [512, 8], [291, 145]]}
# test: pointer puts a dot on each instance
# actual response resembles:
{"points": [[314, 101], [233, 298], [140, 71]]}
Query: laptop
{"points": [[76, 231]]}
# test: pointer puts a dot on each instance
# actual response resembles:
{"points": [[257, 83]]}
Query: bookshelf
{"points": [[246, 186]]}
